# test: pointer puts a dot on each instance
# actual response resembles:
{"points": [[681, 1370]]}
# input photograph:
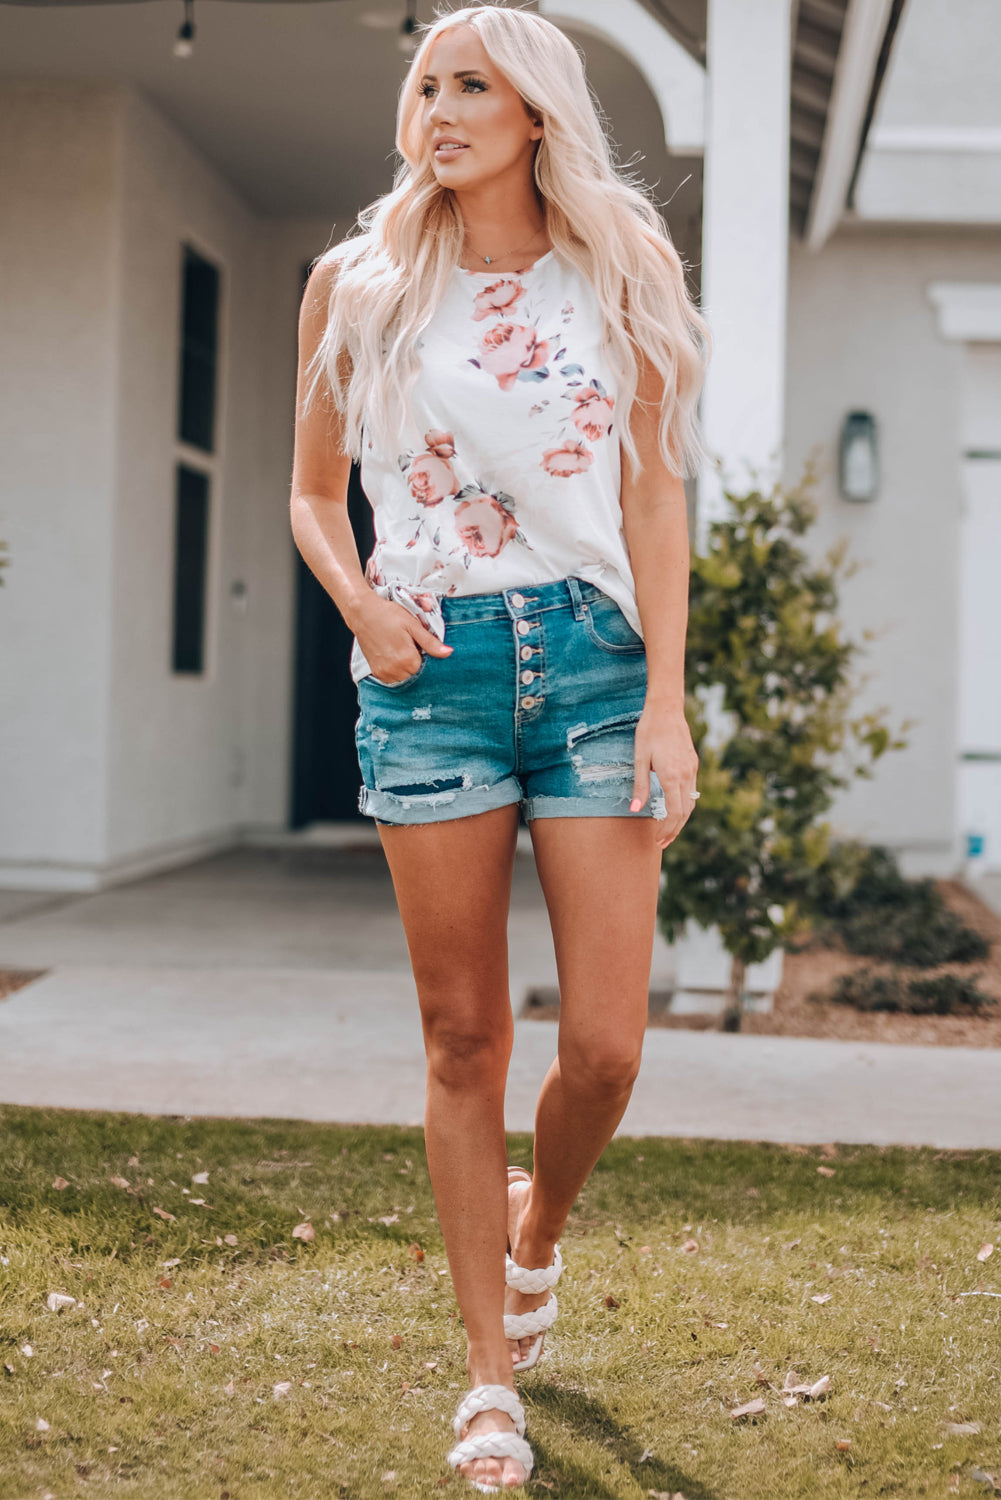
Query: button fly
{"points": [[528, 701], [528, 677], [525, 653], [517, 600], [523, 627]]}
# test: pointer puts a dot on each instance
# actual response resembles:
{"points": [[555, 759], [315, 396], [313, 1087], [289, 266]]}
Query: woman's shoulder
{"points": [[350, 252]]}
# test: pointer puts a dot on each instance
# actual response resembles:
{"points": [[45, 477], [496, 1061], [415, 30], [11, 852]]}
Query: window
{"points": [[191, 533], [199, 351]]}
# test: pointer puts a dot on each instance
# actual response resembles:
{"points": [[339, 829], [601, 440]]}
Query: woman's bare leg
{"points": [[600, 878], [453, 888]]}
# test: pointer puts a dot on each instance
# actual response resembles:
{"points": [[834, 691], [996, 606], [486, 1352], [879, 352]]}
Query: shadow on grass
{"points": [[582, 1414]]}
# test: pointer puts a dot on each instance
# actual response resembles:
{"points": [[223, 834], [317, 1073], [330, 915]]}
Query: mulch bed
{"points": [[816, 968], [16, 979]]}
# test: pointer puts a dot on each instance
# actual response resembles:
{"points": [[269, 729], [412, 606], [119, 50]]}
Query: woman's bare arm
{"points": [[389, 635], [655, 522]]}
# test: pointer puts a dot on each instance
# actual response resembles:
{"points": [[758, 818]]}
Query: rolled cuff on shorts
{"points": [[436, 802]]}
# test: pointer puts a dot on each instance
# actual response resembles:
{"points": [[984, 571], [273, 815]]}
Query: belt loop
{"points": [[576, 598]]}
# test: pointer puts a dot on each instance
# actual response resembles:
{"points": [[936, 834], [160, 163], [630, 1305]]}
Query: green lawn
{"points": [[212, 1354]]}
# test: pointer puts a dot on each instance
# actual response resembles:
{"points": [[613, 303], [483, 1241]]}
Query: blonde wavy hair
{"points": [[391, 276]]}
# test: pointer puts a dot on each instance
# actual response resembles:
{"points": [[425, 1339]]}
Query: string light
{"points": [[407, 39], [184, 45]]}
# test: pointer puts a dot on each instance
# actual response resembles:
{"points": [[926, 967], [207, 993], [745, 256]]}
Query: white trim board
{"points": [[968, 311]]}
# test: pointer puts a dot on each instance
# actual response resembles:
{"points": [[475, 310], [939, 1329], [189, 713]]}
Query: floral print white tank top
{"points": [[510, 474]]}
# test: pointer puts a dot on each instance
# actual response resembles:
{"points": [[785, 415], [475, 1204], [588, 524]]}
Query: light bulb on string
{"points": [[407, 37], [184, 43]]}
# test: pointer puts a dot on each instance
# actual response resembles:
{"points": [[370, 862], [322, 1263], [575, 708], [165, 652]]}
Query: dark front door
{"points": [[325, 775]]}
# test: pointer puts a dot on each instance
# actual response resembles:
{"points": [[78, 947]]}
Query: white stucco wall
{"points": [[109, 762], [59, 270], [179, 749], [863, 334]]}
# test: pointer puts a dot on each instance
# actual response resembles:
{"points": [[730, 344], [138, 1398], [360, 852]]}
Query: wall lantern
{"points": [[858, 457]]}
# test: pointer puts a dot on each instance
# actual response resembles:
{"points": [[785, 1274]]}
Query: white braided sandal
{"points": [[531, 1281], [490, 1444]]}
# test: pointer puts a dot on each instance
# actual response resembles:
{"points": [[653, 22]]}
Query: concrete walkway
{"points": [[275, 983]]}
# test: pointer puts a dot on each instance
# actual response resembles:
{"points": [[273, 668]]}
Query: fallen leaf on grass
{"points": [[55, 1300], [690, 1247], [962, 1429], [396, 1341], [60, 1183], [228, 1388], [304, 1231], [41, 1425], [281, 1389], [954, 1483], [121, 1182], [985, 1252], [165, 1282], [200, 1177], [826, 1171], [231, 1239], [415, 1252], [822, 1297], [610, 1301], [390, 1219], [753, 1408], [215, 1348], [843, 1445], [163, 1213], [820, 1387], [27, 1350], [759, 1373]]}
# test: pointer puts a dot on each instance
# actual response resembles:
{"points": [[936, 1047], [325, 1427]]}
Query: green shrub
{"points": [[883, 915], [944, 995]]}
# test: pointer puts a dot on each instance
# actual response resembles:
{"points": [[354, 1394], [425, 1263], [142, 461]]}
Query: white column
{"points": [[745, 240]]}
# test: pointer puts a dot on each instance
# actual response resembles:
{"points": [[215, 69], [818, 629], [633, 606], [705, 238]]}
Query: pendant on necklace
{"points": [[487, 259]]}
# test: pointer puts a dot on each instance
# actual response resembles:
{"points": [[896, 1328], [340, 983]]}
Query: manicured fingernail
{"points": [[635, 805]]}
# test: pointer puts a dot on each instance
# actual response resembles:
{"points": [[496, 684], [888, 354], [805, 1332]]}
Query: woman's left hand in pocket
{"points": [[663, 745]]}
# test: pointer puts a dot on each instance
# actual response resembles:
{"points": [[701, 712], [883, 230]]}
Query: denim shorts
{"points": [[537, 704]]}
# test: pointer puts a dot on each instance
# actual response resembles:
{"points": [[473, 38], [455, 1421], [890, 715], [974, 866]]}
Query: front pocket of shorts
{"points": [[404, 681], [608, 627]]}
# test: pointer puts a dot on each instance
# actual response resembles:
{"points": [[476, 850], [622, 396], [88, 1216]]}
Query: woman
{"points": [[509, 349]]}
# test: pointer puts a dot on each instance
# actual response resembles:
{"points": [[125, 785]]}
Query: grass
{"points": [[170, 1379]]}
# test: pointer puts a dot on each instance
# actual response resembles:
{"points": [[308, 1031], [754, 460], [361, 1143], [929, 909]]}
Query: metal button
{"points": [[525, 653], [523, 627], [517, 600], [528, 701], [528, 677]]}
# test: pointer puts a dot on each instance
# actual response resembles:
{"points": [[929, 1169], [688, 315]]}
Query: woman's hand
{"points": [[393, 639], [664, 744]]}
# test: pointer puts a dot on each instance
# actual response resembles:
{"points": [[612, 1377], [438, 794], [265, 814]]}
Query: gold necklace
{"points": [[508, 253]]}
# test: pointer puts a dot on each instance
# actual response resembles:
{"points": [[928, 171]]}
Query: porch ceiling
{"points": [[300, 118], [294, 101]]}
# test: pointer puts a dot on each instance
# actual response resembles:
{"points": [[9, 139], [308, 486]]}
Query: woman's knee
{"points": [[603, 1064], [468, 1054]]}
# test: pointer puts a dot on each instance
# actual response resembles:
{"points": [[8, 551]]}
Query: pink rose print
{"points": [[496, 299], [569, 458], [372, 570], [442, 444], [484, 525], [505, 349], [431, 479], [424, 601], [592, 414]]}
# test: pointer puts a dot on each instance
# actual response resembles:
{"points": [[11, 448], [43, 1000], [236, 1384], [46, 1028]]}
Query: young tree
{"points": [[769, 705]]}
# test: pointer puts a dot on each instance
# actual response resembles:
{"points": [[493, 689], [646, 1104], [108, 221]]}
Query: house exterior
{"points": [[173, 680]]}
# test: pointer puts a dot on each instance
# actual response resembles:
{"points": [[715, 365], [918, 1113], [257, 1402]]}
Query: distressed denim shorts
{"points": [[537, 704]]}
